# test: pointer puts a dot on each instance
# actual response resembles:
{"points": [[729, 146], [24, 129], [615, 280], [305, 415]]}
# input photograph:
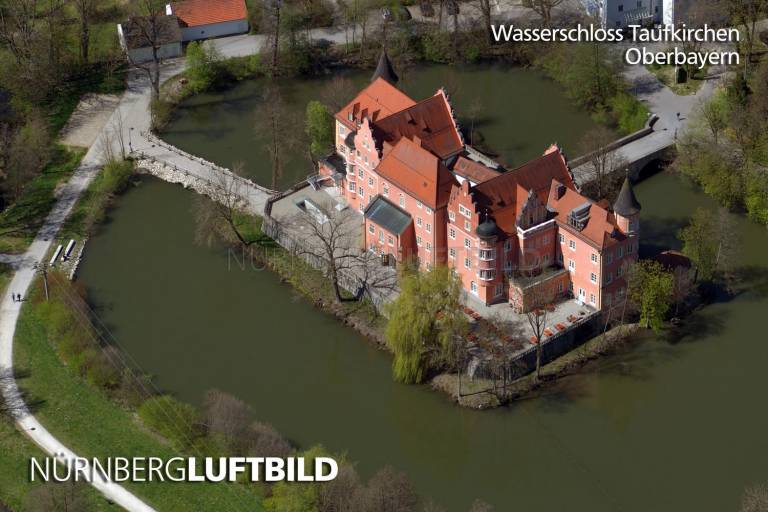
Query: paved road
{"points": [[131, 117], [661, 101]]}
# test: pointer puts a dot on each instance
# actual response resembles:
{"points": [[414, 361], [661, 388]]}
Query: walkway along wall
{"points": [[552, 348]]}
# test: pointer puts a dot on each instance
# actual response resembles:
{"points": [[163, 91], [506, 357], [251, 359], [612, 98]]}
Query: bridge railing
{"points": [[214, 167]]}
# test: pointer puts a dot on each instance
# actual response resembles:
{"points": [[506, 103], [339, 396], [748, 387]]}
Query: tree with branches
{"points": [[544, 9], [603, 161], [276, 126], [155, 29], [426, 321], [222, 215]]}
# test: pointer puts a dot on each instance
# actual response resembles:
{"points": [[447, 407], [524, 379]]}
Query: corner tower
{"points": [[627, 209], [385, 70]]}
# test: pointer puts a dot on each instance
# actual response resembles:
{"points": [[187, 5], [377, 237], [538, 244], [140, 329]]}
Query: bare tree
{"points": [[473, 113], [539, 302], [67, 496], [11, 403], [747, 13], [337, 93], [389, 491], [276, 124], [480, 506], [330, 237], [221, 216], [154, 28], [227, 417], [544, 9], [271, 28], [755, 499], [682, 286], [86, 9], [603, 161], [484, 6]]}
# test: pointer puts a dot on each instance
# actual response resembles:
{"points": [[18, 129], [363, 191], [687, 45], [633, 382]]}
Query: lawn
{"points": [[20, 222], [87, 421], [666, 75]]}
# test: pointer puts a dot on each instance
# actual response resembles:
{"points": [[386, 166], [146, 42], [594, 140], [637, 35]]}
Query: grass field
{"points": [[20, 222], [91, 424]]}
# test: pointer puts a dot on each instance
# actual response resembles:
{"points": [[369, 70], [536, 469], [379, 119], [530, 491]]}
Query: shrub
{"points": [[100, 369], [630, 114], [172, 419], [204, 66], [437, 46]]}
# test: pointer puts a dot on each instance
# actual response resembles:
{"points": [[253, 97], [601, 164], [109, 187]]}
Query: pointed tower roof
{"points": [[627, 204], [385, 70]]}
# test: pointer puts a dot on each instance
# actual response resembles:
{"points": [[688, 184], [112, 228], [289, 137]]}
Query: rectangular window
{"points": [[487, 274], [452, 233], [429, 246], [386, 191], [572, 244], [428, 210], [360, 191], [418, 241], [560, 287], [467, 226], [429, 227], [561, 237], [609, 277], [402, 201], [352, 186], [371, 229], [418, 204], [467, 263], [390, 240], [451, 252], [465, 211], [360, 173], [593, 256], [609, 258], [341, 130], [593, 277], [418, 221], [451, 216], [381, 236], [508, 245], [499, 289], [592, 298], [473, 287], [370, 181], [571, 265], [619, 252], [467, 243]]}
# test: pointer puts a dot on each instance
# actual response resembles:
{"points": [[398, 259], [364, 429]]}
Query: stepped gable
{"points": [[378, 100], [431, 120], [417, 171]]}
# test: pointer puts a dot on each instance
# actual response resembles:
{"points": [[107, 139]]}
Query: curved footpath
{"points": [[132, 114]]}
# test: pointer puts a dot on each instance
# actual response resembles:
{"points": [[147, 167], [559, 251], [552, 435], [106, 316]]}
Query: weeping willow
{"points": [[424, 322]]}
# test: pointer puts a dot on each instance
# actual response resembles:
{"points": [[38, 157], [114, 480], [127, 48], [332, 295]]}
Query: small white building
{"points": [[137, 34], [205, 19], [622, 13]]}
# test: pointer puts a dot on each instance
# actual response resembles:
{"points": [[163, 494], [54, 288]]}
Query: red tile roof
{"points": [[537, 174], [473, 171], [193, 13], [378, 100], [601, 224], [431, 120], [417, 171]]}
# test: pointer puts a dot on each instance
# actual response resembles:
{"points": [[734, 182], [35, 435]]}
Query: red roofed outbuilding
{"points": [[205, 19]]}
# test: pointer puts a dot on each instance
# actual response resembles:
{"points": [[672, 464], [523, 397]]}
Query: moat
{"points": [[519, 112], [637, 434]]}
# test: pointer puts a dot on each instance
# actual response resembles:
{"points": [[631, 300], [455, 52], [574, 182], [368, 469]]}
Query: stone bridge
{"points": [[634, 151]]}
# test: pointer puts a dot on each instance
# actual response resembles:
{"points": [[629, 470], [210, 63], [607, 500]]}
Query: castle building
{"points": [[523, 236]]}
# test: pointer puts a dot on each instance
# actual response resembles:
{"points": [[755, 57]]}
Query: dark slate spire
{"points": [[385, 70], [626, 204]]}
